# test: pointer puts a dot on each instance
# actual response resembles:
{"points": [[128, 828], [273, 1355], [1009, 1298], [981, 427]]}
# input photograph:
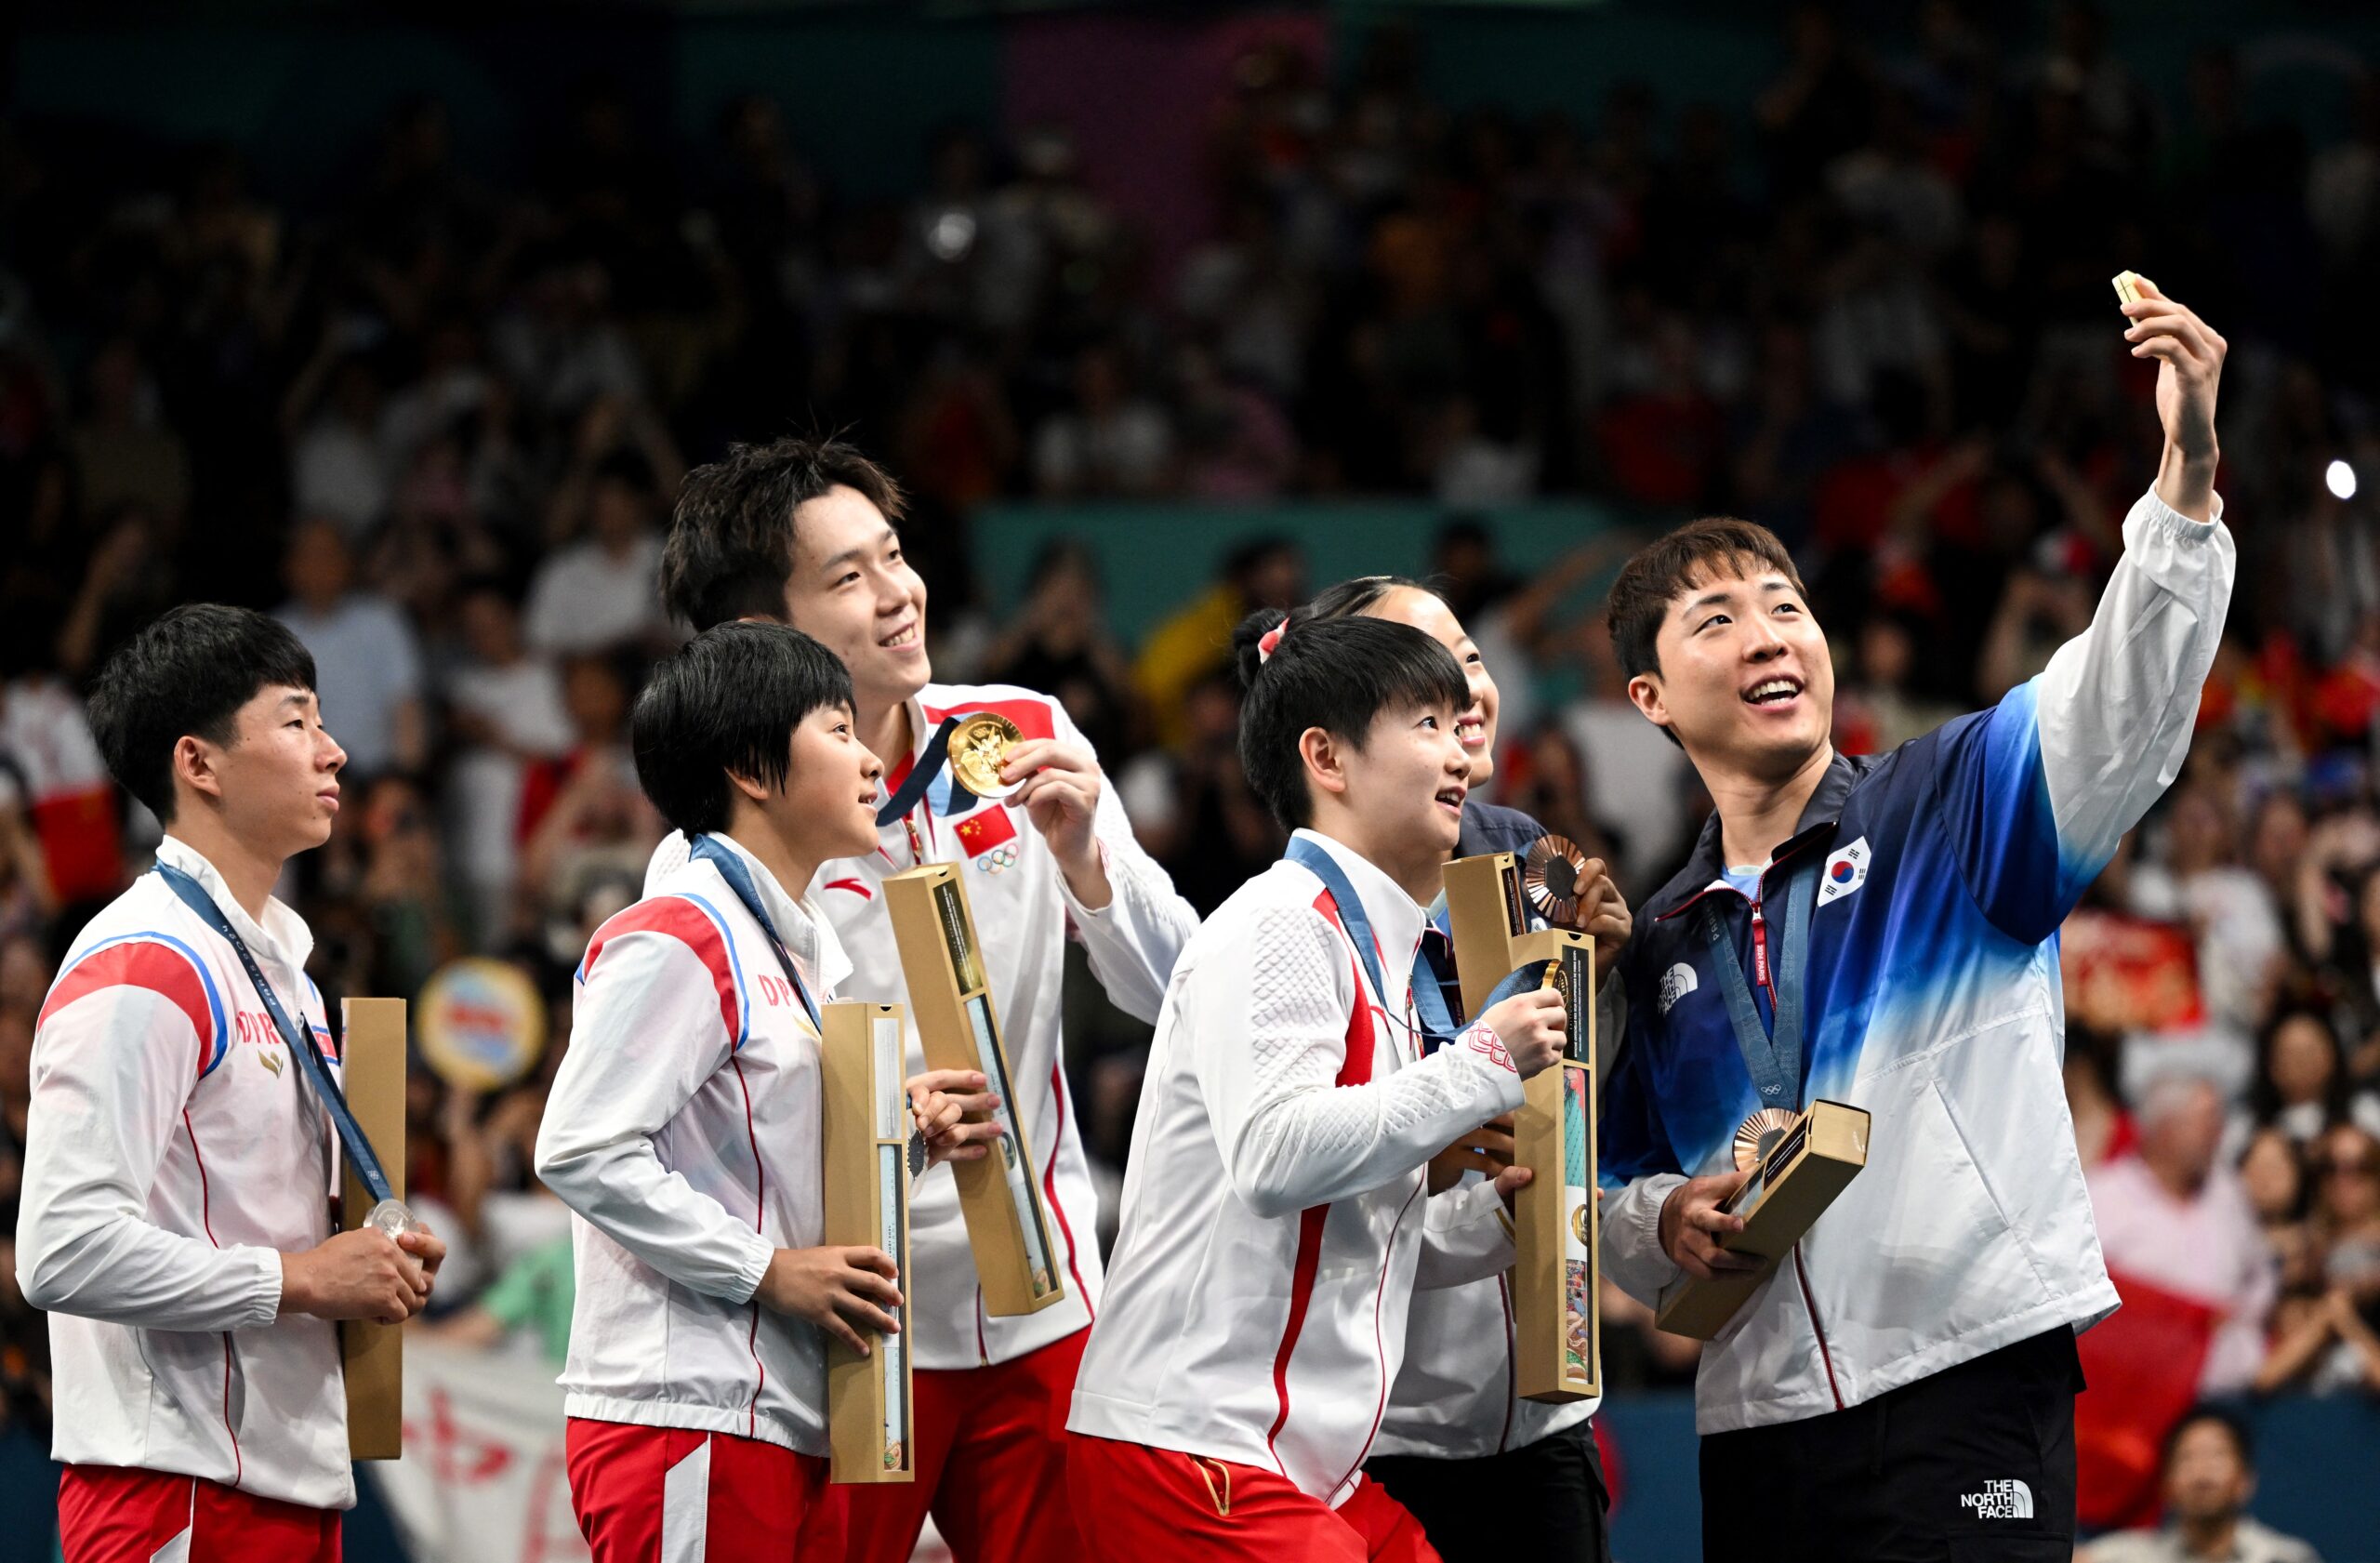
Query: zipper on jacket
{"points": [[1817, 1329]]}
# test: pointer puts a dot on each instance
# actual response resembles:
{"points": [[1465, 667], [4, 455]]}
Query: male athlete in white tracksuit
{"points": [[802, 531], [176, 1211]]}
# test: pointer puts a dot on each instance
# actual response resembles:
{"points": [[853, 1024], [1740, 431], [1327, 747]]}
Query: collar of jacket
{"points": [[1706, 869]]}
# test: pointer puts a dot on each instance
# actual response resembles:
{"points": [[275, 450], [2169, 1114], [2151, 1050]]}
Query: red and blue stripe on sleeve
{"points": [[697, 924], [161, 964]]}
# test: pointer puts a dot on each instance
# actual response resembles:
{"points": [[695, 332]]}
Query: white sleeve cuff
{"points": [[756, 1266], [2157, 516], [260, 1301]]}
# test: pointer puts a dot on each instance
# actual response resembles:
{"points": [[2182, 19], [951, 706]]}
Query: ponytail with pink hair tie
{"points": [[1270, 642]]}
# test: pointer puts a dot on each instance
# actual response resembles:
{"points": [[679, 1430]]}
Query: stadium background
{"points": [[406, 329]]}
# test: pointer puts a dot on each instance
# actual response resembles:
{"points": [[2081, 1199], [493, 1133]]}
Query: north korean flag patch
{"points": [[989, 836], [1846, 871]]}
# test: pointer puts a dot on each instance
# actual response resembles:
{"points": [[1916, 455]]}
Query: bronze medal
{"points": [[978, 748], [1551, 877], [1758, 1135]]}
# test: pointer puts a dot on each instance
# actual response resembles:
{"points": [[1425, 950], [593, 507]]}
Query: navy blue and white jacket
{"points": [[1933, 1000]]}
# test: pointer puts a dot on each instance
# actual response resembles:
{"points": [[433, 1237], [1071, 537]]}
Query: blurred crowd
{"points": [[436, 424]]}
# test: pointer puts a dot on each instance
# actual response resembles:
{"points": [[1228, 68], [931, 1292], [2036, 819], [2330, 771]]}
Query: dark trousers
{"points": [[1544, 1502], [1975, 1463]]}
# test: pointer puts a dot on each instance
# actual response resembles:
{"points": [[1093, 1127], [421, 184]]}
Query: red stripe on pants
{"points": [[110, 1513], [753, 1508], [990, 1446]]}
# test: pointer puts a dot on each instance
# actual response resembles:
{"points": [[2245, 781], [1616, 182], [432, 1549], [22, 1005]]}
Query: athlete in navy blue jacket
{"points": [[1882, 931]]}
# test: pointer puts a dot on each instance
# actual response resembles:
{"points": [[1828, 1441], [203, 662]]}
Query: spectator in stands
{"points": [[585, 817], [1110, 443], [2301, 1086], [603, 591], [2172, 1216], [1060, 643], [339, 456], [505, 704], [2210, 1477], [534, 1292], [2198, 882], [1181, 652], [58, 837], [124, 451], [2346, 1216], [367, 662]]}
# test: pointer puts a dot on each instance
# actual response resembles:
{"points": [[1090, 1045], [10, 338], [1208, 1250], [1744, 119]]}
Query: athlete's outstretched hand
{"points": [[2189, 365], [842, 1290]]}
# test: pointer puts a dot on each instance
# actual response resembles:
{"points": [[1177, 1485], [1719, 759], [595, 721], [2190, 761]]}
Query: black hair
{"points": [[1658, 573], [2242, 1443], [726, 701], [1334, 674], [730, 539], [1361, 594], [2264, 1095], [187, 673]]}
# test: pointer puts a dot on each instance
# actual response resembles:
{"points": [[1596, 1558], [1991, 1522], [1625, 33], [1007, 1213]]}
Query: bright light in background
{"points": [[2341, 478]]}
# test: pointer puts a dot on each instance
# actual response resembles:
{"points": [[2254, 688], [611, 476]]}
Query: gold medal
{"points": [[1551, 877], [978, 748], [1758, 1135]]}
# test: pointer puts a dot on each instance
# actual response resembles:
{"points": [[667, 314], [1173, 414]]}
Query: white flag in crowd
{"points": [[483, 1480]]}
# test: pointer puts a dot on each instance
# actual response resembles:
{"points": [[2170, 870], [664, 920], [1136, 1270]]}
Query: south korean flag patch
{"points": [[1846, 871]]}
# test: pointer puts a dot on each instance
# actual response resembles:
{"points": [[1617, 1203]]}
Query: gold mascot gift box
{"points": [[959, 1028], [863, 1049], [1810, 1163], [372, 1077], [1556, 1278]]}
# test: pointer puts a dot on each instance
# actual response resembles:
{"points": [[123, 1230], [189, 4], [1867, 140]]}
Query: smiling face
{"points": [[1427, 612], [828, 806], [1745, 680], [1401, 794], [832, 786], [853, 591], [276, 781]]}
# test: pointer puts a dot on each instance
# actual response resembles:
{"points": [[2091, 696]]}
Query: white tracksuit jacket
{"points": [[683, 1132], [1933, 1000], [1275, 1220], [1022, 914], [174, 1154]]}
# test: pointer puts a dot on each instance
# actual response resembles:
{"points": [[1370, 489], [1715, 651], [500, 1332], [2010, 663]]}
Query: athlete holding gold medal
{"points": [[803, 532]]}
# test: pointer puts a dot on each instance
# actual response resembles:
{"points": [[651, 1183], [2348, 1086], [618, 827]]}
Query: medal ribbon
{"points": [[928, 765], [739, 879], [1429, 999], [1772, 1056], [299, 1039]]}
